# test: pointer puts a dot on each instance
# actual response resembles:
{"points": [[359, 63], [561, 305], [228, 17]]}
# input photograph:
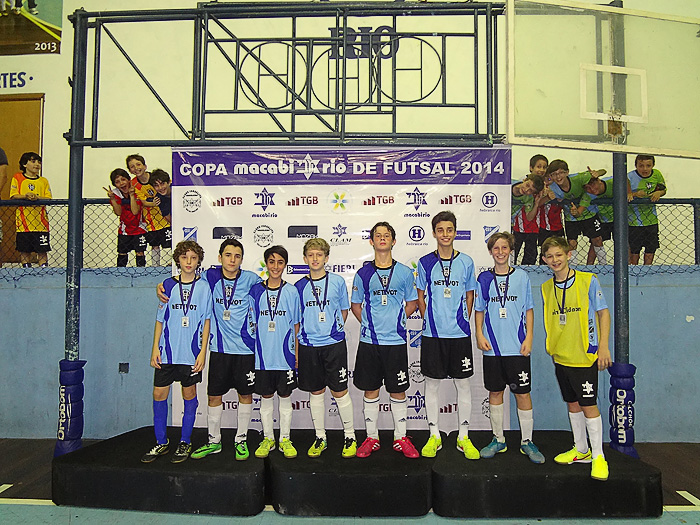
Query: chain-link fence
{"points": [[100, 226], [678, 233], [679, 249]]}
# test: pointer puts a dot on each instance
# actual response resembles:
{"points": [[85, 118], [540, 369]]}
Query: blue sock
{"points": [[188, 419], [160, 420]]}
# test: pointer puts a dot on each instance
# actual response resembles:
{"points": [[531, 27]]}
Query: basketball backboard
{"points": [[604, 78]]}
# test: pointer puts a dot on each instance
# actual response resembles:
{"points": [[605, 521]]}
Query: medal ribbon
{"points": [[449, 268], [563, 294], [388, 281], [186, 307], [227, 302], [502, 301], [273, 313], [321, 305]]}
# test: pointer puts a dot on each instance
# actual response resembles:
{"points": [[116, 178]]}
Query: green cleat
{"points": [[573, 456], [319, 446], [287, 448], [241, 450], [599, 468], [205, 450], [465, 445], [350, 448], [430, 449], [266, 445]]}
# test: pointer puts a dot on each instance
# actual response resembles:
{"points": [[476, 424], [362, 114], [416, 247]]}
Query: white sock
{"points": [[464, 404], [600, 254], [399, 410], [526, 425], [432, 407], [245, 411], [285, 416], [594, 425], [578, 427], [318, 407], [371, 409], [574, 253], [496, 416], [345, 411], [214, 423], [266, 408], [155, 257]]}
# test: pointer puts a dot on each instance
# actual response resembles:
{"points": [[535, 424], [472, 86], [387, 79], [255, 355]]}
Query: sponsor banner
{"points": [[205, 167], [264, 198]]}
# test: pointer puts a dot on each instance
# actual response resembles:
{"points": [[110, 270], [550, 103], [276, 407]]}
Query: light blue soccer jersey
{"points": [[332, 293], [180, 345], [505, 335], [446, 317], [230, 333], [383, 324], [274, 349]]}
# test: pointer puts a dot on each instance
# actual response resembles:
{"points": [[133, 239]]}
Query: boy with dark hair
{"points": [[180, 342], [577, 326], [549, 218], [274, 313], [579, 219], [132, 229], [160, 180], [446, 287], [383, 296], [158, 229], [323, 353], [526, 199], [504, 308], [31, 222], [644, 182], [601, 188]]}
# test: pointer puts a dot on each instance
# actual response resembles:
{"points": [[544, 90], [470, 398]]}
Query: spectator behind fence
{"points": [[578, 219], [549, 218], [157, 227], [31, 221], [602, 188], [160, 180], [3, 180], [132, 228], [644, 182], [527, 197]]}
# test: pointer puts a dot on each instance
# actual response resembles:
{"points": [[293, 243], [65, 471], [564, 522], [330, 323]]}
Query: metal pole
{"points": [[74, 261], [696, 217], [620, 233]]}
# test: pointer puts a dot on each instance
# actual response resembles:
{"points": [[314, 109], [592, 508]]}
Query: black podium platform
{"points": [[109, 474], [511, 486], [384, 484]]}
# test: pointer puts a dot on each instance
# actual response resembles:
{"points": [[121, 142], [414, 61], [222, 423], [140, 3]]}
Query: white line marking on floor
{"points": [[3, 488], [13, 501], [687, 495]]}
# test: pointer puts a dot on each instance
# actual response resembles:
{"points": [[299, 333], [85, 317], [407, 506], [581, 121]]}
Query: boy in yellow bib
{"points": [[577, 326]]}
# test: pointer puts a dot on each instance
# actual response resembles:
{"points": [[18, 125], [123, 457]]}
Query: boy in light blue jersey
{"points": [[446, 287], [323, 354], [231, 361], [383, 296], [180, 342], [504, 322], [274, 317]]}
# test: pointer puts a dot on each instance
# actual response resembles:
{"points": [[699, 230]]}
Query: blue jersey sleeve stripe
{"points": [[492, 335]]}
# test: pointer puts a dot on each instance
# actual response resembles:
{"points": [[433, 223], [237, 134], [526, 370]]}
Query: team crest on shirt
{"points": [[185, 294], [273, 302], [502, 287], [384, 279], [31, 187], [446, 271], [229, 289], [649, 185]]}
